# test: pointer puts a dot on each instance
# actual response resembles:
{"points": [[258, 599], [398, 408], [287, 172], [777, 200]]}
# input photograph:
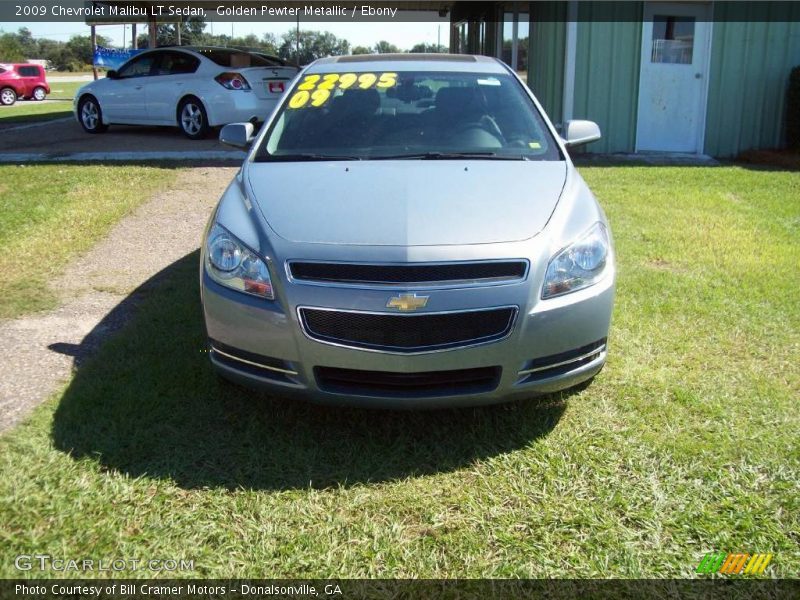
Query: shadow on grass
{"points": [[146, 403], [753, 160]]}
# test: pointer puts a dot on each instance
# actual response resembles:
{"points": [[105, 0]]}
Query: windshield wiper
{"points": [[411, 156], [450, 156], [303, 157]]}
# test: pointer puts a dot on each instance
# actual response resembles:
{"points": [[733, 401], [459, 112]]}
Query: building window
{"points": [[673, 40]]}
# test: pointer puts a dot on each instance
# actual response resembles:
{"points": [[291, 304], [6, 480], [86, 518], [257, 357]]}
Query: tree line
{"points": [[74, 55], [299, 48]]}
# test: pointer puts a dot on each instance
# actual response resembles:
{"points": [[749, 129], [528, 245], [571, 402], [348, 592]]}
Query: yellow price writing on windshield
{"points": [[328, 81], [299, 99], [309, 82], [347, 80], [315, 90], [303, 97], [387, 80]]}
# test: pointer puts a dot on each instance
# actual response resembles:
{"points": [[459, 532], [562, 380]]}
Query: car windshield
{"points": [[408, 114]]}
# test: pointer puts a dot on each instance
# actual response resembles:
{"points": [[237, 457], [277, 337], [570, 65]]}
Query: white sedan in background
{"points": [[195, 88]]}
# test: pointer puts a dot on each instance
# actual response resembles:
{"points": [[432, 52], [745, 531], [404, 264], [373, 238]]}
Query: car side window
{"points": [[138, 67], [29, 71], [176, 63]]}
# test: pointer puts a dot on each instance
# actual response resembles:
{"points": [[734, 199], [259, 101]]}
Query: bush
{"points": [[793, 110]]}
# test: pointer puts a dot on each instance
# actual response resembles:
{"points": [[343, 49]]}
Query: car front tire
{"points": [[193, 119], [8, 96], [39, 94], [90, 115]]}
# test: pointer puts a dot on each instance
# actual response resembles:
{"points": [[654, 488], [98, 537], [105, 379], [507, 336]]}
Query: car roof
{"points": [[409, 61]]}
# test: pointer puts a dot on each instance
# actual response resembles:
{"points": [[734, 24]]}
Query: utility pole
{"points": [[94, 47], [152, 33], [515, 38]]}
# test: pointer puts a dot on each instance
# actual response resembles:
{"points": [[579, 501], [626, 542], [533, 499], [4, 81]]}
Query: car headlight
{"points": [[230, 263], [579, 265]]}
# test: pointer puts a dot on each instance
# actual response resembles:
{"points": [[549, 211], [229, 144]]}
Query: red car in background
{"points": [[22, 81]]}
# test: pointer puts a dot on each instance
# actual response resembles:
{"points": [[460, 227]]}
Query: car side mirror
{"points": [[578, 132], [239, 135], [112, 74]]}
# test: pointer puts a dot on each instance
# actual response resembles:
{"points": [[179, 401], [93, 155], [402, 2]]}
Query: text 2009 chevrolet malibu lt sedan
{"points": [[408, 231]]}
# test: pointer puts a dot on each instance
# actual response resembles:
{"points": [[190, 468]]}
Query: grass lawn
{"points": [[50, 213], [686, 443], [87, 73], [64, 90], [29, 111]]}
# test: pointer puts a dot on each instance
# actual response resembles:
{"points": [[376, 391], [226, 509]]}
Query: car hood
{"points": [[407, 202]]}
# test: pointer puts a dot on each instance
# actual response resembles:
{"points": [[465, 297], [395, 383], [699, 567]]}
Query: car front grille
{"points": [[388, 384], [407, 333], [405, 274]]}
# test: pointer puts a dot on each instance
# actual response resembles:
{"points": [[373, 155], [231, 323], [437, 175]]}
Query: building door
{"points": [[673, 77]]}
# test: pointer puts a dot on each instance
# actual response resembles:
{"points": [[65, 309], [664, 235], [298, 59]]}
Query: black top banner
{"points": [[130, 11]]}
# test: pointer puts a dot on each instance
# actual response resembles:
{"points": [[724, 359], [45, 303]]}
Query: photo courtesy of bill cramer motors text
{"points": [[190, 589]]}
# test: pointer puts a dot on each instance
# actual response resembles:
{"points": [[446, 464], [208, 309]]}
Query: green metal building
{"points": [[694, 77]]}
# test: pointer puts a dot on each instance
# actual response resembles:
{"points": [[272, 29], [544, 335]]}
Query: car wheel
{"points": [[8, 96], [90, 115], [192, 119], [39, 94]]}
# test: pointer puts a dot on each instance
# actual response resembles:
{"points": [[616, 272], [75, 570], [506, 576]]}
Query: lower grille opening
{"points": [[251, 363], [559, 364], [407, 333], [389, 384]]}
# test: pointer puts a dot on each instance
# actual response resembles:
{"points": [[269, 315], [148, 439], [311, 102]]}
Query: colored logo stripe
{"points": [[711, 562], [734, 563], [758, 563], [720, 562]]}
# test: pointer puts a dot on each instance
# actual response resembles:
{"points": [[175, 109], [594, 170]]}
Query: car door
{"points": [[123, 98], [29, 76], [172, 77]]}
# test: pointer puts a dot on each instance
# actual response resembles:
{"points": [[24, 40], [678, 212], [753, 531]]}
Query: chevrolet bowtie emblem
{"points": [[407, 302]]}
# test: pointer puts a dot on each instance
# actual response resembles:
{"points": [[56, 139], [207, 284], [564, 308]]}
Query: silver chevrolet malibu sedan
{"points": [[408, 231]]}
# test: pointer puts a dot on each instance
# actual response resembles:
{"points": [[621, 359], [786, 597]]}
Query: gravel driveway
{"points": [[158, 233]]}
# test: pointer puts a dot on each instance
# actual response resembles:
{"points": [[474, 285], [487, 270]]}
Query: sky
{"points": [[402, 34]]}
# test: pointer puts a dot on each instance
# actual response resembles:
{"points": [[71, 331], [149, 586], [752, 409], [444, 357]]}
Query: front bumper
{"points": [[554, 345]]}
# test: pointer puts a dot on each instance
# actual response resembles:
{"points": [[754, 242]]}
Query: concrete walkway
{"points": [[40, 350]]}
